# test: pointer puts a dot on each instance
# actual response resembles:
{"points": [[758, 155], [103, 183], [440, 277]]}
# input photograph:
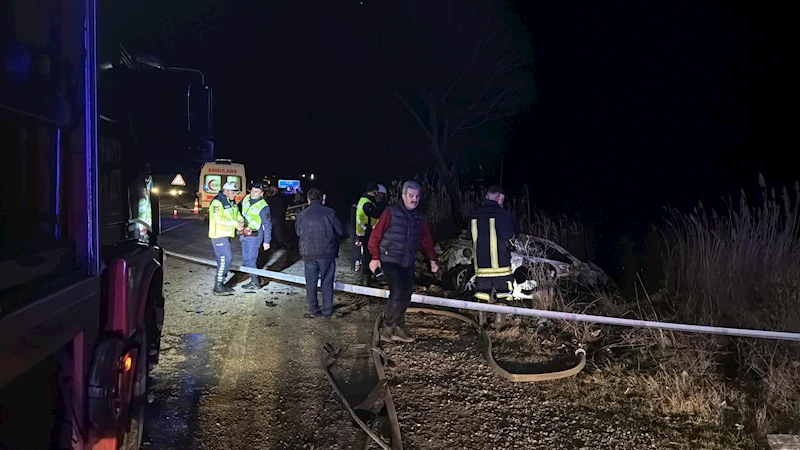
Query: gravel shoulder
{"points": [[244, 372]]}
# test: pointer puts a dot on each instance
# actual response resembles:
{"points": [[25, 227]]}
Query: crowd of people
{"points": [[387, 239]]}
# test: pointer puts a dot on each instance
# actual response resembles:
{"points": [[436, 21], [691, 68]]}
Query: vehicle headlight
{"points": [[175, 192]]}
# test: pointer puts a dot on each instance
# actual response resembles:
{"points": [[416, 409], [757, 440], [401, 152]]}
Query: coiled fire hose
{"points": [[373, 401]]}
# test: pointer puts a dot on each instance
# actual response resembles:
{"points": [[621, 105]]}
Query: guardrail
{"points": [[475, 306]]}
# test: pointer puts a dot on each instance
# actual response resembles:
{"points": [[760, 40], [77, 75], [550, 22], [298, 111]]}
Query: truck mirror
{"points": [[199, 107]]}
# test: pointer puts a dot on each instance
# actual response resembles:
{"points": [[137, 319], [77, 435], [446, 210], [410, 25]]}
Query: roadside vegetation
{"points": [[738, 268]]}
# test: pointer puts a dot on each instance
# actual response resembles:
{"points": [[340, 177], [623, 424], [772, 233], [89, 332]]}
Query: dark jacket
{"points": [[277, 208], [398, 235], [490, 239], [373, 209], [319, 231]]}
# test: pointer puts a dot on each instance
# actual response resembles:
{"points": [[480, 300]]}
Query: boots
{"points": [[386, 334], [221, 289], [499, 321], [394, 334], [253, 285], [400, 335]]}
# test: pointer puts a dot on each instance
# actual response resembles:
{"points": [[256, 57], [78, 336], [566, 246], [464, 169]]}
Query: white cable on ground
{"points": [[556, 315]]}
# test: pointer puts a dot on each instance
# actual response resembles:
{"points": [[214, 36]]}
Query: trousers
{"points": [[250, 246], [366, 274], [222, 249], [401, 286], [324, 271], [278, 240], [502, 286]]}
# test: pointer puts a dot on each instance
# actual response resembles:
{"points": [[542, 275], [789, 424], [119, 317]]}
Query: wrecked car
{"points": [[536, 263]]}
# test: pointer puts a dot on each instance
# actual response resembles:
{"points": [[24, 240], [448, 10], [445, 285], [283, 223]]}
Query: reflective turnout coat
{"points": [[491, 228]]}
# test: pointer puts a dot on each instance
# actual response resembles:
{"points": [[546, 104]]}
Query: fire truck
{"points": [[81, 273]]}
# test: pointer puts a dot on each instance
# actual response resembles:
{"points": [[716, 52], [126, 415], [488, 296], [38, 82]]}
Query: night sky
{"points": [[638, 105]]}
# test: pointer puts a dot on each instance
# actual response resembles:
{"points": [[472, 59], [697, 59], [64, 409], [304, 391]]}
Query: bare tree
{"points": [[456, 68]]}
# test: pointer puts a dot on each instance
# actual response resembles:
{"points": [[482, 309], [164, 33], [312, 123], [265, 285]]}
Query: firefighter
{"points": [[491, 229], [367, 214], [257, 231], [224, 221]]}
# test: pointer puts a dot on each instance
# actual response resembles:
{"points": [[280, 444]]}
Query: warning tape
{"points": [[475, 306]]}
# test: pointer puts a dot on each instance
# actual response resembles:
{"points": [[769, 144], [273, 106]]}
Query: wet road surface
{"points": [[244, 371]]}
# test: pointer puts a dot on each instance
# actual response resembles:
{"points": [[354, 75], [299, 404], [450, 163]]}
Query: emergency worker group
{"points": [[387, 239], [252, 222]]}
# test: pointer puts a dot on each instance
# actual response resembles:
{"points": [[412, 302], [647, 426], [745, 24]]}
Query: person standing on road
{"points": [[395, 240], [255, 212], [319, 231], [491, 228], [224, 221], [277, 211], [367, 214]]}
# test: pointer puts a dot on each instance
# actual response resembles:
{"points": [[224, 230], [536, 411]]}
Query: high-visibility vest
{"points": [[251, 210], [145, 214], [222, 218], [363, 221]]}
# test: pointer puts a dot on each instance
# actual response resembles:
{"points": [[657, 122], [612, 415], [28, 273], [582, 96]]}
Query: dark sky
{"points": [[638, 104]]}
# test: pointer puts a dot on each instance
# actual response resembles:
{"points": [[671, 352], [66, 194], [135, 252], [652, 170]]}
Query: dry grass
{"points": [[724, 266], [740, 268]]}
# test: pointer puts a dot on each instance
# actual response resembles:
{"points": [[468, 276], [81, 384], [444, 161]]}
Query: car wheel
{"points": [[457, 279]]}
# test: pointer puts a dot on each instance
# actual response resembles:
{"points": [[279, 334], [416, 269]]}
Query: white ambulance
{"points": [[214, 175]]}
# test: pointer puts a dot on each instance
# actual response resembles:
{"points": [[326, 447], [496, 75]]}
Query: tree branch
{"points": [[413, 113], [478, 50], [442, 72]]}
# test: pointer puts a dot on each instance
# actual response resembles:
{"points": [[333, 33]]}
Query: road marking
{"points": [[188, 221], [178, 205]]}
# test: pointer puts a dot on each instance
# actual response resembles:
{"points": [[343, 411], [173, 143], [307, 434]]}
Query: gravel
{"points": [[244, 372], [448, 397]]}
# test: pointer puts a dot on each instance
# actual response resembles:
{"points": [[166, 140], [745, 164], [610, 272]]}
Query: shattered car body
{"points": [[535, 262]]}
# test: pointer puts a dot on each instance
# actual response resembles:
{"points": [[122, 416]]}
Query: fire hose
{"points": [[373, 401]]}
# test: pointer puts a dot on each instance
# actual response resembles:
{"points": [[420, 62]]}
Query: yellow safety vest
{"points": [[363, 221], [145, 214], [222, 221], [252, 211]]}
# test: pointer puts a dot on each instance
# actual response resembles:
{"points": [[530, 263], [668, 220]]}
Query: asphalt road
{"points": [[185, 213], [243, 372]]}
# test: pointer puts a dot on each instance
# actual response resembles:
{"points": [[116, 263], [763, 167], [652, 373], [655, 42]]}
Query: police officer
{"points": [[257, 231], [491, 229], [224, 220], [367, 214]]}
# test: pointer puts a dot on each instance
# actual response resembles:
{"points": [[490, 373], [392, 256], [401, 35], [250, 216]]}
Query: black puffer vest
{"points": [[400, 242]]}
